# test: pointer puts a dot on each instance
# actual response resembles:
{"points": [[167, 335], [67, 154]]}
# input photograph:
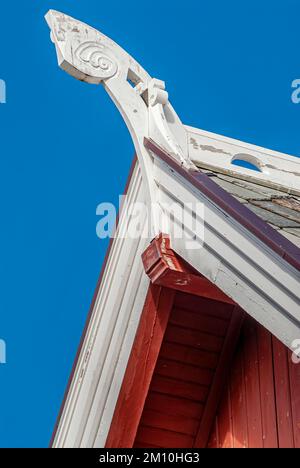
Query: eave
{"points": [[242, 255]]}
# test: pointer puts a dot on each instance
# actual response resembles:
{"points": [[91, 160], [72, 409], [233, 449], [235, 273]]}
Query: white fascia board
{"points": [[100, 369], [216, 152], [235, 260]]}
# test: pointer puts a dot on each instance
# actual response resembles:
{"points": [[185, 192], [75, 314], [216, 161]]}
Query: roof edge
{"points": [[249, 220], [89, 316]]}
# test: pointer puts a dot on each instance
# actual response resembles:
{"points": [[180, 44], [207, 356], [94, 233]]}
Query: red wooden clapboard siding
{"points": [[181, 355], [261, 403], [185, 370], [151, 330], [182, 387]]}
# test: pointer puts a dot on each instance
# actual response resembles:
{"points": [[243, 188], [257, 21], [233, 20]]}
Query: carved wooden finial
{"points": [[90, 56], [82, 51]]}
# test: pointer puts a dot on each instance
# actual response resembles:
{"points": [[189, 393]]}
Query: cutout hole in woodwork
{"points": [[247, 161], [132, 78]]}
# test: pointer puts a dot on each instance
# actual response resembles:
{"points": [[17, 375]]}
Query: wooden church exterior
{"points": [[187, 347], [211, 376]]}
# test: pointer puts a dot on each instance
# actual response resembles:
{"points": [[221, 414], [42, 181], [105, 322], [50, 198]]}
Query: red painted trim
{"points": [[168, 273], [165, 268], [133, 164], [219, 381], [140, 368], [263, 231]]}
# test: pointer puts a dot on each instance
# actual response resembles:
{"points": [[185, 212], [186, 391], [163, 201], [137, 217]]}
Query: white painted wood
{"points": [[230, 256], [294, 239], [88, 55], [216, 152], [102, 362], [233, 259]]}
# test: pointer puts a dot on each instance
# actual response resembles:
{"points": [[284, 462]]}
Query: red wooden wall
{"points": [[200, 372], [182, 362], [261, 402], [183, 377]]}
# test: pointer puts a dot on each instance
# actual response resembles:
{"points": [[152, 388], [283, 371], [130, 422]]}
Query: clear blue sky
{"points": [[228, 66]]}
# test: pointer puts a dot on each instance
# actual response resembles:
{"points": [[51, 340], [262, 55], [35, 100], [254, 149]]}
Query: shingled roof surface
{"points": [[277, 208]]}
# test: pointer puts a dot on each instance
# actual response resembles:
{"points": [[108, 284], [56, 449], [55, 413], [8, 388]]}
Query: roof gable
{"points": [[218, 153], [240, 253]]}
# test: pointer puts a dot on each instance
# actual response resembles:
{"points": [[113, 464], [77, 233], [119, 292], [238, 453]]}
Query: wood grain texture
{"points": [[261, 404], [283, 395], [200, 376], [140, 367], [267, 390], [165, 268], [190, 373], [252, 387], [218, 383], [294, 373]]}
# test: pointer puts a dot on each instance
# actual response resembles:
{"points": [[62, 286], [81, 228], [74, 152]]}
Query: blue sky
{"points": [[228, 67]]}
